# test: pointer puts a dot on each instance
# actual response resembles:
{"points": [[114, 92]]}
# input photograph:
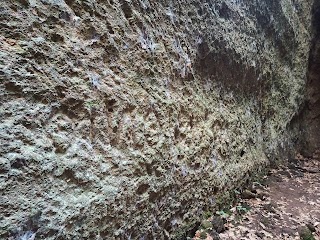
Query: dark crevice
{"points": [[311, 111], [126, 9]]}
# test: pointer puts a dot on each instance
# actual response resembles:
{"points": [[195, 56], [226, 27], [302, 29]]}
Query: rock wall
{"points": [[131, 119], [311, 112]]}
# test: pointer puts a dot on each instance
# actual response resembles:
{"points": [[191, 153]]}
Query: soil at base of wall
{"points": [[285, 205]]}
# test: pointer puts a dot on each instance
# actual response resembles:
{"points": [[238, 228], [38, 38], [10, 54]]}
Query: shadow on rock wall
{"points": [[311, 112]]}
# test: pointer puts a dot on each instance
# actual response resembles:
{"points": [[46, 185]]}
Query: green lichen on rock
{"points": [[306, 234], [130, 118]]}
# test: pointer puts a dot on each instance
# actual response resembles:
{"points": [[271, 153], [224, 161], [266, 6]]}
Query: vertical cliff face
{"points": [[129, 119], [311, 113]]}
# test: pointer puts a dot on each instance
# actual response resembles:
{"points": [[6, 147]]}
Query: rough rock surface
{"points": [[311, 111], [128, 119]]}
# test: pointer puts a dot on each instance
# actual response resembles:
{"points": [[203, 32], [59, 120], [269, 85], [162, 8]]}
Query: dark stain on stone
{"points": [[142, 189]]}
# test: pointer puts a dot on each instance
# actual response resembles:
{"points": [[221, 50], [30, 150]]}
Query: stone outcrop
{"points": [[311, 112], [130, 119]]}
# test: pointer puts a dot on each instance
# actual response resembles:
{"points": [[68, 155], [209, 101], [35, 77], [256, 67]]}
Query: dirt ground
{"points": [[285, 205]]}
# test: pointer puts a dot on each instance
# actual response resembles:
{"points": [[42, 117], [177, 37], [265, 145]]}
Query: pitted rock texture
{"points": [[130, 119]]}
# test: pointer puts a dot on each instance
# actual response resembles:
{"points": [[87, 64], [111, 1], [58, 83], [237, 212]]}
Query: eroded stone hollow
{"points": [[133, 119]]}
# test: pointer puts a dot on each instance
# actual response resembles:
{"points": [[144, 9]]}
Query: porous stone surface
{"points": [[129, 119]]}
